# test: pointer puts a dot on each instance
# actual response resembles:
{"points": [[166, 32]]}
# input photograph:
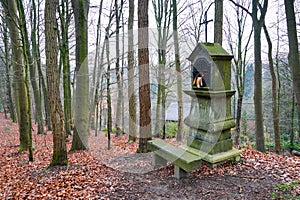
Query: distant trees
{"points": [[239, 48]]}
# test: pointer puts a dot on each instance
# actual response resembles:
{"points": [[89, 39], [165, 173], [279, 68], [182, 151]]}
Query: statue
{"points": [[199, 80]]}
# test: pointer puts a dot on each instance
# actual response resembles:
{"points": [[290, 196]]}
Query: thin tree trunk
{"points": [[118, 74], [274, 94], [180, 124], [7, 73], [37, 97], [109, 114], [63, 10], [292, 133], [131, 88]]}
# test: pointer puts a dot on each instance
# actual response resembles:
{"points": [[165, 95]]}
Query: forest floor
{"points": [[120, 173]]}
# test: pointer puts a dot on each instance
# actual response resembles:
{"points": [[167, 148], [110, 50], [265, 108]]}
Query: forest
{"points": [[86, 85]]}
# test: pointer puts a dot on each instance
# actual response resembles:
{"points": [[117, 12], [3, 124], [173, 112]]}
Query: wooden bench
{"points": [[184, 161]]}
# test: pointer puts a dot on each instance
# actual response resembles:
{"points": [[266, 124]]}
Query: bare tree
{"points": [[144, 79], [294, 61], [131, 91], [81, 132], [59, 135]]}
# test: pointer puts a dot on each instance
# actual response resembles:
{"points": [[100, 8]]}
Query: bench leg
{"points": [[179, 173], [158, 160]]}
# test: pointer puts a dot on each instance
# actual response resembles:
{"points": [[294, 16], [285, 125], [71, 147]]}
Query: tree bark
{"points": [[19, 82], [81, 105], [218, 25], [274, 93], [258, 106], [65, 60], [179, 135], [144, 77], [131, 88], [59, 135], [7, 73], [294, 61]]}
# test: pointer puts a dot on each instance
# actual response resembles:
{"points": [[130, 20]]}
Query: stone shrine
{"points": [[210, 120]]}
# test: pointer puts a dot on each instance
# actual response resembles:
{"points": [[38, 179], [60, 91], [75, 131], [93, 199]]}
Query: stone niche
{"points": [[210, 120]]}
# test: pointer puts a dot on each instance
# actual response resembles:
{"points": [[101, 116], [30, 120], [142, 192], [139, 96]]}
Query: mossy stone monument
{"points": [[210, 120]]}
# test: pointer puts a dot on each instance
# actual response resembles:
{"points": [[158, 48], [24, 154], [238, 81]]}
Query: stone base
{"points": [[210, 147]]}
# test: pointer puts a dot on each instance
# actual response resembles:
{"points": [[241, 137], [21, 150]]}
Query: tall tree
{"points": [[131, 90], [30, 65], [258, 22], [218, 25], [7, 73], [294, 61], [35, 40], [20, 92], [65, 16], [118, 72], [144, 77], [59, 135], [97, 71], [179, 73], [27, 59], [80, 136], [162, 17], [274, 92]]}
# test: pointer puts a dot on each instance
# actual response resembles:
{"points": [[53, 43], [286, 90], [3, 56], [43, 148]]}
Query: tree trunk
{"points": [[144, 77], [118, 75], [292, 133], [7, 73], [179, 135], [257, 25], [218, 25], [59, 135], [97, 71], [294, 61], [274, 93], [19, 82], [28, 62], [109, 114], [65, 61], [131, 88], [81, 132]]}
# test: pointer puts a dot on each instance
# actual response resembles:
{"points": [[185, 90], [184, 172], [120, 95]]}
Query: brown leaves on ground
{"points": [[101, 174]]}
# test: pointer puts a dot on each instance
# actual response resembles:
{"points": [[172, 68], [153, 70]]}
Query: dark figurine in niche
{"points": [[198, 80]]}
